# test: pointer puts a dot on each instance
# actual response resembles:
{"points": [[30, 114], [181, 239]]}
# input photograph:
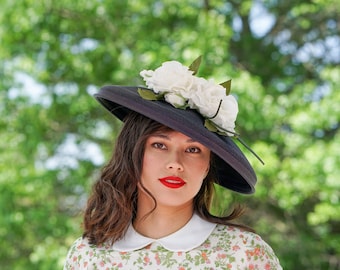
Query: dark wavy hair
{"points": [[112, 205]]}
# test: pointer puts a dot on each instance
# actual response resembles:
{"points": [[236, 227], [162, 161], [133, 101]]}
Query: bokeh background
{"points": [[282, 56]]}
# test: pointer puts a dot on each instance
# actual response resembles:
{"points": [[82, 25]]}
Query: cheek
{"points": [[205, 166], [150, 164], [206, 171], [148, 160], [200, 171]]}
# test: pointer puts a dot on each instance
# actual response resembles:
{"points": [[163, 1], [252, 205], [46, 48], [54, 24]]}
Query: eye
{"points": [[193, 150], [158, 145]]}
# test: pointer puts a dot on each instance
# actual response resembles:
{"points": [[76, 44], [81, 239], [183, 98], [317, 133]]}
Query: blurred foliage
{"points": [[282, 56]]}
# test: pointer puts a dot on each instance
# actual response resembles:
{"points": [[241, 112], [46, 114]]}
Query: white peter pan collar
{"points": [[192, 235]]}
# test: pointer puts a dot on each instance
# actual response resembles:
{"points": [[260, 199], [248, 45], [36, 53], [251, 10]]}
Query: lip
{"points": [[172, 181]]}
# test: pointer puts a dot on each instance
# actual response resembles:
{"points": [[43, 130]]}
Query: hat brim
{"points": [[232, 167]]}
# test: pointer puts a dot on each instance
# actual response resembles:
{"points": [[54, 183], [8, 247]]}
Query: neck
{"points": [[162, 221]]}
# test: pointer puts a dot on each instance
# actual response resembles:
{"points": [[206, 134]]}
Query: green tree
{"points": [[55, 137]]}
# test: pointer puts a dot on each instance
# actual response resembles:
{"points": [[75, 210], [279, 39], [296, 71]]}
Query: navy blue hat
{"points": [[233, 171]]}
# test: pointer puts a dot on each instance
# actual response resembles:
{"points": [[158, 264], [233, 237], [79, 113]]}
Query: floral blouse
{"points": [[198, 245]]}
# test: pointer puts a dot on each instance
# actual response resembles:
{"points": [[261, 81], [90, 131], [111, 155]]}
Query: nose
{"points": [[174, 163]]}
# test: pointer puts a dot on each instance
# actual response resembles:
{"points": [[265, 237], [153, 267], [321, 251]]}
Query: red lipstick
{"points": [[172, 181]]}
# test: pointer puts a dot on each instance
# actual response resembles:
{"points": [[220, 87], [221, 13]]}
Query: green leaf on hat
{"points": [[227, 86], [181, 107], [147, 94], [195, 65], [210, 125]]}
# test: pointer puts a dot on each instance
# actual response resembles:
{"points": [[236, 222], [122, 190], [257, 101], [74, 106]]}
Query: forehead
{"points": [[170, 134]]}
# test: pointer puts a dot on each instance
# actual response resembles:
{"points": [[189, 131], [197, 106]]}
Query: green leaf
{"points": [[195, 65], [210, 125], [181, 107], [147, 94], [227, 86]]}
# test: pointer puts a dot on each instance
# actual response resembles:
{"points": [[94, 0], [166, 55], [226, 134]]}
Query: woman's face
{"points": [[174, 167]]}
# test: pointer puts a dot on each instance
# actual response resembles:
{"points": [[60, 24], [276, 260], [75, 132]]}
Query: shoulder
{"points": [[236, 235], [76, 252], [82, 253], [246, 247]]}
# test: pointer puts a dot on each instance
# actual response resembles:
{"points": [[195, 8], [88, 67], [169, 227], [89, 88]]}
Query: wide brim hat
{"points": [[233, 170]]}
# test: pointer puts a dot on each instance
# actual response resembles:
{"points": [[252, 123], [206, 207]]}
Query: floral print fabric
{"points": [[226, 248]]}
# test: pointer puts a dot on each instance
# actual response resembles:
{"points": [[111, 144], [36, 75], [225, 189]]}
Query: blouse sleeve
{"points": [[260, 255], [243, 250], [76, 254]]}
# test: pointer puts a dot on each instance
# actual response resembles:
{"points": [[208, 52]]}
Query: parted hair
{"points": [[112, 206]]}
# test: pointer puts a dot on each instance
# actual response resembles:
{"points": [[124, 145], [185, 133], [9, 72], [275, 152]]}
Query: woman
{"points": [[150, 206]]}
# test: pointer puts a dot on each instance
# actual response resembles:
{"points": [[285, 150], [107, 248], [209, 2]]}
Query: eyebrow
{"points": [[164, 136]]}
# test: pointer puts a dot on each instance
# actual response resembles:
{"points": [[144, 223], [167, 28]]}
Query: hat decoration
{"points": [[177, 84]]}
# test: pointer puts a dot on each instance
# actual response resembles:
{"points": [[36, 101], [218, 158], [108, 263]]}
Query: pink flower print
{"points": [[102, 264], [221, 256], [75, 258], [250, 254], [236, 248], [158, 260], [205, 256], [181, 268], [257, 251], [85, 264], [251, 267], [146, 260], [80, 246], [206, 245]]}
